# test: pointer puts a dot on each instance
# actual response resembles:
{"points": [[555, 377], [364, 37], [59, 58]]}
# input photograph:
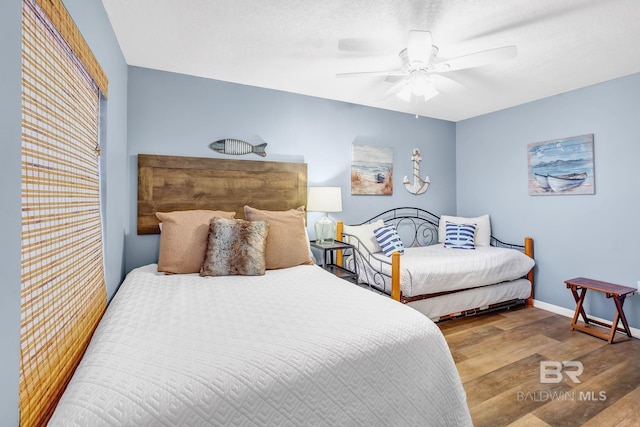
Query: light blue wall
{"points": [[10, 169], [582, 235], [92, 20], [174, 114]]}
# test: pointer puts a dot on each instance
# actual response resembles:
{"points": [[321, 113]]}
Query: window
{"points": [[63, 291]]}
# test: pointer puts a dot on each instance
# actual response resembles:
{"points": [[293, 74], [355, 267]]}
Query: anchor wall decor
{"points": [[418, 186]]}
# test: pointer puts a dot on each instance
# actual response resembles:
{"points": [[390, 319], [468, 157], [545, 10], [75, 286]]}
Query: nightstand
{"points": [[329, 259]]}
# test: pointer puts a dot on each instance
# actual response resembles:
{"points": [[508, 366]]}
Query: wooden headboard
{"points": [[170, 183]]}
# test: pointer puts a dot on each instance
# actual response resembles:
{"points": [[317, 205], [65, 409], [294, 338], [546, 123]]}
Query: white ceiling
{"points": [[299, 45]]}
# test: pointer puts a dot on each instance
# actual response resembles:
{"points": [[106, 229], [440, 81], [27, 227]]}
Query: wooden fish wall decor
{"points": [[418, 186], [237, 147]]}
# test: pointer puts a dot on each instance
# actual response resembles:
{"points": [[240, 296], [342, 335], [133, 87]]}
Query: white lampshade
{"points": [[324, 199]]}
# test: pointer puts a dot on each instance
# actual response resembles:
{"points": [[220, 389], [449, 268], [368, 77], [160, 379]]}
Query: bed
{"points": [[292, 346], [439, 281]]}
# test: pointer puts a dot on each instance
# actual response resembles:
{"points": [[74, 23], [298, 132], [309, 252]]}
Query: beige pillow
{"points": [[183, 240], [287, 242], [235, 247]]}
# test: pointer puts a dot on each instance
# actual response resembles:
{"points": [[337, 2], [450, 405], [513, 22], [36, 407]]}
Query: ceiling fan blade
{"points": [[477, 59], [394, 79], [366, 45], [419, 46], [373, 73], [446, 84]]}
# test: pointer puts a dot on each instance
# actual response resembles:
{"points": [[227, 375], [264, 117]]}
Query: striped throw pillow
{"points": [[459, 236], [388, 240]]}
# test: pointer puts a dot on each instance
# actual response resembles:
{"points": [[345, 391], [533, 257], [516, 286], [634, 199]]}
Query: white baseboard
{"points": [[569, 313]]}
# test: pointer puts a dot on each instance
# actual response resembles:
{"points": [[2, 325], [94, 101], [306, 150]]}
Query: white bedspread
{"points": [[296, 347], [434, 268]]}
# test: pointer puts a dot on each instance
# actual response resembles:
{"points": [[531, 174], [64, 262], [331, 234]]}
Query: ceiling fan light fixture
{"points": [[421, 85], [432, 92], [405, 93]]}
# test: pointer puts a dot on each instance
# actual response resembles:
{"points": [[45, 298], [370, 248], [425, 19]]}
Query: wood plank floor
{"points": [[498, 357]]}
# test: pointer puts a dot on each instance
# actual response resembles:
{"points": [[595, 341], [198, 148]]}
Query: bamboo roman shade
{"points": [[63, 292], [62, 22]]}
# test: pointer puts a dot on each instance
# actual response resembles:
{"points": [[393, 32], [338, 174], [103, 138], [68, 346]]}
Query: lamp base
{"points": [[325, 231]]}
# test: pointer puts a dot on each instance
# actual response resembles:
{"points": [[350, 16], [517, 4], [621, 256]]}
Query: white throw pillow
{"points": [[364, 232], [482, 223]]}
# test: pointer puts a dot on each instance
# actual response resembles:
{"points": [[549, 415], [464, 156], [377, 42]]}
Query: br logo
{"points": [[551, 371]]}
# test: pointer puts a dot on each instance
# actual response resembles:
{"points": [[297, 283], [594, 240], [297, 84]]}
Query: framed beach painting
{"points": [[562, 166], [371, 170]]}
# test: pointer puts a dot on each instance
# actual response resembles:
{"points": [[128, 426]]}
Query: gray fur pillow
{"points": [[235, 247]]}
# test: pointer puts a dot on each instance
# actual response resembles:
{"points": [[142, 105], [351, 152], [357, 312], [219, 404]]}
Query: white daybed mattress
{"points": [[434, 268], [295, 347]]}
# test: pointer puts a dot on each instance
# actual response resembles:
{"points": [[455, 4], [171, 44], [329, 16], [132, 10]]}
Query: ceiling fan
{"points": [[420, 70]]}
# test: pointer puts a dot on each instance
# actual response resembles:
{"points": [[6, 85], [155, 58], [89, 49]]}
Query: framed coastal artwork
{"points": [[561, 166], [371, 170]]}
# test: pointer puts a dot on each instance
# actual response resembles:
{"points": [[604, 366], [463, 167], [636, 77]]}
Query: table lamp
{"points": [[325, 200]]}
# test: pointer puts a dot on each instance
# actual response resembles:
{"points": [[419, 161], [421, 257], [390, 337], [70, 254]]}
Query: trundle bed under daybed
{"points": [[292, 346], [439, 281]]}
